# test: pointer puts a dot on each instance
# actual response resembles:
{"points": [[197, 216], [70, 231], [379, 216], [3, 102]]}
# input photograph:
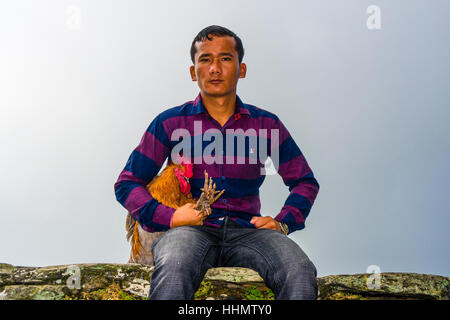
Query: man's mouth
{"points": [[216, 81]]}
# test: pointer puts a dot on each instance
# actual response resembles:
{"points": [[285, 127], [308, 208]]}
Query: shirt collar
{"points": [[198, 107]]}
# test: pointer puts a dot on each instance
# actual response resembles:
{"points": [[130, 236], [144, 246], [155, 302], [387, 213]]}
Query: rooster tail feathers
{"points": [[129, 226], [133, 237]]}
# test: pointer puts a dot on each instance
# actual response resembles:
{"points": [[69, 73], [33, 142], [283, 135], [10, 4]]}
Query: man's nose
{"points": [[215, 67]]}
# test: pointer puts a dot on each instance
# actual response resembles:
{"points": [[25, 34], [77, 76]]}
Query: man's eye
{"points": [[227, 58]]}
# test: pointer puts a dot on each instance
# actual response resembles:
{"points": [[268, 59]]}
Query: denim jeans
{"points": [[184, 254]]}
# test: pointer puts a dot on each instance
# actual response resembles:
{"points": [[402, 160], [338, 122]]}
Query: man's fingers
{"points": [[267, 225], [263, 223], [258, 222]]}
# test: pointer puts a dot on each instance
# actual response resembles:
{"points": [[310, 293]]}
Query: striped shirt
{"points": [[236, 164]]}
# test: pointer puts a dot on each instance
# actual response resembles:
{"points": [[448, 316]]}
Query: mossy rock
{"points": [[390, 286], [132, 282]]}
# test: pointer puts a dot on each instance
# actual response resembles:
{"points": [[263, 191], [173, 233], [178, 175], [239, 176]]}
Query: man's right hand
{"points": [[186, 216]]}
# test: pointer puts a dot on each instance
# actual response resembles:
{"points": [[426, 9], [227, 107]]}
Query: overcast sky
{"points": [[80, 81]]}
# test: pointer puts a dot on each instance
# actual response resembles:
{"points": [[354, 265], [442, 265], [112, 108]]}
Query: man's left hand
{"points": [[265, 223]]}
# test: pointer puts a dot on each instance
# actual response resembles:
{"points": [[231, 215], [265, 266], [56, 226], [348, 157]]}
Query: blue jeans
{"points": [[184, 254]]}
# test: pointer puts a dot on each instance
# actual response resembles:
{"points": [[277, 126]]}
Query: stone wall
{"points": [[131, 282]]}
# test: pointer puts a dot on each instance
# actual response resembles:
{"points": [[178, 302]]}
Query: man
{"points": [[235, 234]]}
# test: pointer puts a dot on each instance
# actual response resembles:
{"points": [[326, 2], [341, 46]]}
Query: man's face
{"points": [[217, 68]]}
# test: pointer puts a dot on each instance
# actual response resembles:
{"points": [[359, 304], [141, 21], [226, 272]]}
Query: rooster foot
{"points": [[208, 197]]}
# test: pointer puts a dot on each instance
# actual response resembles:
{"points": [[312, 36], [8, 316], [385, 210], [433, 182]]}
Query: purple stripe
{"points": [[234, 171], [137, 198], [163, 214], [213, 170], [248, 204], [243, 171], [294, 211], [152, 148], [294, 169], [307, 190], [187, 122], [284, 133], [128, 176]]}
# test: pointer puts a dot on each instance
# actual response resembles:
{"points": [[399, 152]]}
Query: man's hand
{"points": [[265, 223], [186, 216]]}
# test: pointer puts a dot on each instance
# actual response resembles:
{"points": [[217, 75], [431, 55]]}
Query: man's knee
{"points": [[297, 280], [295, 274]]}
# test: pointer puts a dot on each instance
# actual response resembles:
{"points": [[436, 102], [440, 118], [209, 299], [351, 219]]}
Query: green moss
{"points": [[253, 293], [345, 296], [270, 295], [204, 290], [46, 294], [6, 268], [125, 296], [112, 292]]}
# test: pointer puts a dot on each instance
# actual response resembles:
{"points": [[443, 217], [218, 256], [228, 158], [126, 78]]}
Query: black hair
{"points": [[218, 31]]}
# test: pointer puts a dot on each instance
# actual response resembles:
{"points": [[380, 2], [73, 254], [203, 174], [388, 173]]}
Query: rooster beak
{"points": [[186, 178]]}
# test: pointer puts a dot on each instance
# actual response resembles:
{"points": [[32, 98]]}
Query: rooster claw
{"points": [[208, 196]]}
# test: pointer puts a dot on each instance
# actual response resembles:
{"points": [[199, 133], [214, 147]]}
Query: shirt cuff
{"points": [[277, 218], [163, 215]]}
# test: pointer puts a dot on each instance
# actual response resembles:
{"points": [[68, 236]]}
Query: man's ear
{"points": [[192, 71], [242, 70]]}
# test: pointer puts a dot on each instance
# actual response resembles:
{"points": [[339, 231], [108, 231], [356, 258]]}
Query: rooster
{"points": [[171, 188]]}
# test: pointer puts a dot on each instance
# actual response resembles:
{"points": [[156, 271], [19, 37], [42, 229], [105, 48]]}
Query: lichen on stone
{"points": [[132, 281]]}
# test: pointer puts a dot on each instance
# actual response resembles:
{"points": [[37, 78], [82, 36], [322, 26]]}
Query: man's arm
{"points": [[297, 175], [142, 166]]}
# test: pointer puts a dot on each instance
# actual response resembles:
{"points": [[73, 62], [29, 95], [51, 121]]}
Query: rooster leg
{"points": [[206, 180], [208, 196], [218, 196]]}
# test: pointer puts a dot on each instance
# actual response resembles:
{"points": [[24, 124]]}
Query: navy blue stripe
{"points": [[124, 189], [182, 110], [188, 109], [288, 150], [289, 219], [234, 188], [146, 213], [234, 141], [257, 113], [142, 166], [308, 178], [218, 213], [156, 128], [300, 202]]}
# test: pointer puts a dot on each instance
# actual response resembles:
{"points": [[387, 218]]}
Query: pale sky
{"points": [[80, 81]]}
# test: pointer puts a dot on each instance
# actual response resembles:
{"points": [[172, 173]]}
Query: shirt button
{"points": [[223, 178]]}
